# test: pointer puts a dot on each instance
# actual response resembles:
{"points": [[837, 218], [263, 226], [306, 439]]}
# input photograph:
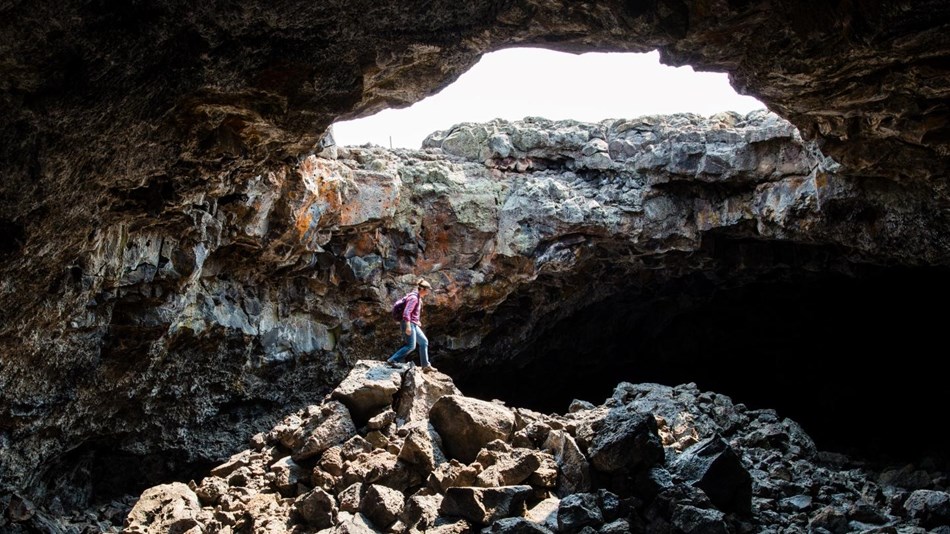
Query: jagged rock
{"points": [[693, 520], [331, 460], [930, 507], [19, 509], [211, 490], [382, 420], [354, 524], [382, 505], [544, 513], [369, 386], [620, 526], [380, 467], [422, 511], [162, 509], [318, 508], [237, 461], [577, 511], [623, 439], [906, 477], [351, 498], [458, 526], [267, 513], [466, 425], [575, 470], [831, 520], [421, 392], [288, 475], [332, 426], [714, 467], [452, 473], [422, 446], [545, 476], [515, 525], [506, 467], [484, 505], [354, 447]]}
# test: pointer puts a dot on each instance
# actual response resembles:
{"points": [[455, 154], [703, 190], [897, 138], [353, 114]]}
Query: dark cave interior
{"points": [[851, 357]]}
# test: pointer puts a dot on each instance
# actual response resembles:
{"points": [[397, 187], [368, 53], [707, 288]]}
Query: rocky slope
{"points": [[260, 296], [396, 450]]}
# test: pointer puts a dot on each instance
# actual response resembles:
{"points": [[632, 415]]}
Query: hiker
{"points": [[412, 327]]}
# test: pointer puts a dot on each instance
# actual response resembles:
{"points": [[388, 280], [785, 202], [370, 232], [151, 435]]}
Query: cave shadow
{"points": [[852, 358]]}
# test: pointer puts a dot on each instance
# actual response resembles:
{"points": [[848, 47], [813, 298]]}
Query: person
{"points": [[411, 325]]}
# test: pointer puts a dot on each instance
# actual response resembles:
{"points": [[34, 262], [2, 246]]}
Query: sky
{"points": [[531, 82]]}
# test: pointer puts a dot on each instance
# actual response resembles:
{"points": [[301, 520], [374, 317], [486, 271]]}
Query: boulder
{"points": [[422, 447], [578, 511], [421, 511], [575, 471], [485, 505], [420, 392], [287, 473], [333, 426], [692, 520], [369, 386], [452, 473], [466, 425], [163, 509], [351, 497], [382, 505], [515, 525], [506, 468], [354, 524], [318, 508], [714, 467], [625, 439], [544, 513], [930, 507]]}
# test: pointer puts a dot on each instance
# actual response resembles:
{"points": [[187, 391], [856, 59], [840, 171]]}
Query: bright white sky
{"points": [[531, 82]]}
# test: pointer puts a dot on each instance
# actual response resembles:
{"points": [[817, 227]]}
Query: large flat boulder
{"points": [[466, 425], [369, 387]]}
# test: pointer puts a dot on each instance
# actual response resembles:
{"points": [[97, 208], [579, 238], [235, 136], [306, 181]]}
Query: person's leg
{"points": [[407, 348], [423, 345]]}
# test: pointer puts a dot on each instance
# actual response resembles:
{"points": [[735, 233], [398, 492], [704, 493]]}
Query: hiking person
{"points": [[412, 326]]}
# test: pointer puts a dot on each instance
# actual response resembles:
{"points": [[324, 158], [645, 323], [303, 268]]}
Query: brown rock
{"points": [[351, 497], [422, 447], [211, 490], [163, 509], [420, 392], [318, 508], [466, 425], [382, 505], [369, 386], [331, 427], [452, 473], [484, 505], [571, 462]]}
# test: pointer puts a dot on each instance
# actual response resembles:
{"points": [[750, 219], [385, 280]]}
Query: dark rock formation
{"points": [[176, 269]]}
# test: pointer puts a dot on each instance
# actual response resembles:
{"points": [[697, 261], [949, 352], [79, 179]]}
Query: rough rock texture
{"points": [[167, 244], [793, 487]]}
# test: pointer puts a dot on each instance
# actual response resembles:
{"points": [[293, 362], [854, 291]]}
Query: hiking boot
{"points": [[428, 369]]}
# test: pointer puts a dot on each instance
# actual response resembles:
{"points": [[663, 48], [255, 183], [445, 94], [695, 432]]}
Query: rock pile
{"points": [[395, 450]]}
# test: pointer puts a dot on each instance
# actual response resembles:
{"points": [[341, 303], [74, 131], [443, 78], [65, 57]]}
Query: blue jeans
{"points": [[416, 335]]}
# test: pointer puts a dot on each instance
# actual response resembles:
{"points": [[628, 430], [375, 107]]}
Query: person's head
{"points": [[423, 287]]}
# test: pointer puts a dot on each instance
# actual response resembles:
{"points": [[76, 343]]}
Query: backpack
{"points": [[399, 307]]}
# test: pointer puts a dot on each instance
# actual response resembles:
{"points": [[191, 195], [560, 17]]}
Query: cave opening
{"points": [[851, 356]]}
